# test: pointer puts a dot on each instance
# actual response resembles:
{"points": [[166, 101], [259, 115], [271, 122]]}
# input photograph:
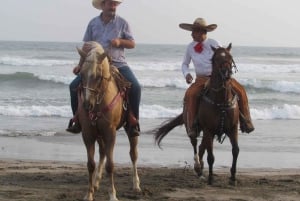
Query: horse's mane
{"points": [[92, 57]]}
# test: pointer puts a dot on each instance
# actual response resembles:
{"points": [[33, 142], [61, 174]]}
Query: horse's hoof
{"points": [[202, 177], [232, 182], [96, 188], [210, 181], [114, 199], [88, 198], [137, 190], [199, 173], [198, 170]]}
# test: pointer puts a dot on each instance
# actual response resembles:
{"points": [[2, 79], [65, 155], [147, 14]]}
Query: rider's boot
{"points": [[74, 126], [244, 117], [132, 126], [246, 124]]}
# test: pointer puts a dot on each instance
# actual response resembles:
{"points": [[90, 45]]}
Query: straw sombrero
{"points": [[199, 23], [97, 3]]}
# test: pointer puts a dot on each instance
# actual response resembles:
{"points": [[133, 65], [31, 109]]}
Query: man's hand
{"points": [[116, 42], [119, 42], [76, 70], [189, 78]]}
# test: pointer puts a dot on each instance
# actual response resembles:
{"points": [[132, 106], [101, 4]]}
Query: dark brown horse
{"points": [[100, 112], [218, 114]]}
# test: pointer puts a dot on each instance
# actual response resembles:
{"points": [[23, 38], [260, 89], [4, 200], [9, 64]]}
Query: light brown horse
{"points": [[100, 112], [218, 114]]}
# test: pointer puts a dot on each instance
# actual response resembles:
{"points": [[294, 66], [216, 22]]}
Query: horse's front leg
{"points": [[201, 152], [134, 155], [197, 164], [210, 156], [110, 140], [91, 169], [99, 170], [235, 153]]}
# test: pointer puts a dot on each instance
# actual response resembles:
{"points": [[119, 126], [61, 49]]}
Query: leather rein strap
{"points": [[96, 115]]}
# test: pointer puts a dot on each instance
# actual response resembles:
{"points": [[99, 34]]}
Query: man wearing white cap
{"points": [[114, 34]]}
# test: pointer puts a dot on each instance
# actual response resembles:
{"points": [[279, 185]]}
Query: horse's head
{"points": [[94, 69], [222, 62]]}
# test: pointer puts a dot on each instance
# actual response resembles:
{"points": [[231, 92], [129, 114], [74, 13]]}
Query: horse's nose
{"points": [[226, 73]]}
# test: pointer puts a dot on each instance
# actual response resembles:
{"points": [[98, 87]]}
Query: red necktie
{"points": [[198, 47]]}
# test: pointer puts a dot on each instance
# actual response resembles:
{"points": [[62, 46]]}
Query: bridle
{"points": [[98, 90]]}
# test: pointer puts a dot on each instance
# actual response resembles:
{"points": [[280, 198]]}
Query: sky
{"points": [[242, 22]]}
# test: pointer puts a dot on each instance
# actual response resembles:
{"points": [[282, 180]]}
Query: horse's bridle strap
{"points": [[94, 116]]}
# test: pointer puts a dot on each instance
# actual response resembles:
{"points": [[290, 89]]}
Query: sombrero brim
{"points": [[97, 3], [190, 27]]}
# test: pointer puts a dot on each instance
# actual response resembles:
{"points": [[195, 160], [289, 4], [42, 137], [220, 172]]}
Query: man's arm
{"points": [[125, 43]]}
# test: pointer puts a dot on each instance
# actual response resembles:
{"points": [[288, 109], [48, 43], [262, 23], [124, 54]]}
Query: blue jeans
{"points": [[134, 92], [73, 93]]}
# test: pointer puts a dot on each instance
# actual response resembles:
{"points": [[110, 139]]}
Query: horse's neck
{"points": [[216, 82], [220, 90], [106, 71]]}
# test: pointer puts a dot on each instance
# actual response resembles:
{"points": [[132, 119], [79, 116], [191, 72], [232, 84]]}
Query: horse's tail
{"points": [[166, 127]]}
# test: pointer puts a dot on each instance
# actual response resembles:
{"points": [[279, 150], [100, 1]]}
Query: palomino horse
{"points": [[100, 111], [218, 114]]}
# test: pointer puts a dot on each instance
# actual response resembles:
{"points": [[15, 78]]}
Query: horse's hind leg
{"points": [[134, 155], [99, 170], [235, 153]]}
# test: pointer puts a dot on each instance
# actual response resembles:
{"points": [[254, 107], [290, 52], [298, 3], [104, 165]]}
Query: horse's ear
{"points": [[229, 47], [81, 52], [101, 57], [213, 48]]}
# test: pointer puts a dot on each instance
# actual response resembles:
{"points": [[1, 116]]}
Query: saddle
{"points": [[128, 120]]}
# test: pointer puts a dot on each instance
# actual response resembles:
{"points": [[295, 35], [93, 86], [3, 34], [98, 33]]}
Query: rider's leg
{"points": [[134, 97], [191, 101], [245, 118], [74, 126], [73, 93]]}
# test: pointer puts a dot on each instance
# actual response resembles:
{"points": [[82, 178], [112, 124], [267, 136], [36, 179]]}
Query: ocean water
{"points": [[35, 102]]}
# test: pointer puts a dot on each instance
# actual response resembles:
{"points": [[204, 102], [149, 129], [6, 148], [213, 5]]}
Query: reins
{"points": [[94, 116]]}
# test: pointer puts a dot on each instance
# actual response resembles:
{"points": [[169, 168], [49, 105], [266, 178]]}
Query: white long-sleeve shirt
{"points": [[202, 61]]}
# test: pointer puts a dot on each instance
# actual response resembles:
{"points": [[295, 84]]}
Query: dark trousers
{"points": [[73, 93]]}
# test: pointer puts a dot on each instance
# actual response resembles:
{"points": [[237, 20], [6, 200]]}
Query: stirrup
{"points": [[73, 127], [132, 130]]}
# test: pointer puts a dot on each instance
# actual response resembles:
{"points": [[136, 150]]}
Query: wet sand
{"points": [[22, 180]]}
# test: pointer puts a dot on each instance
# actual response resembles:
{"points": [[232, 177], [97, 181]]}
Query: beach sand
{"points": [[27, 180]]}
